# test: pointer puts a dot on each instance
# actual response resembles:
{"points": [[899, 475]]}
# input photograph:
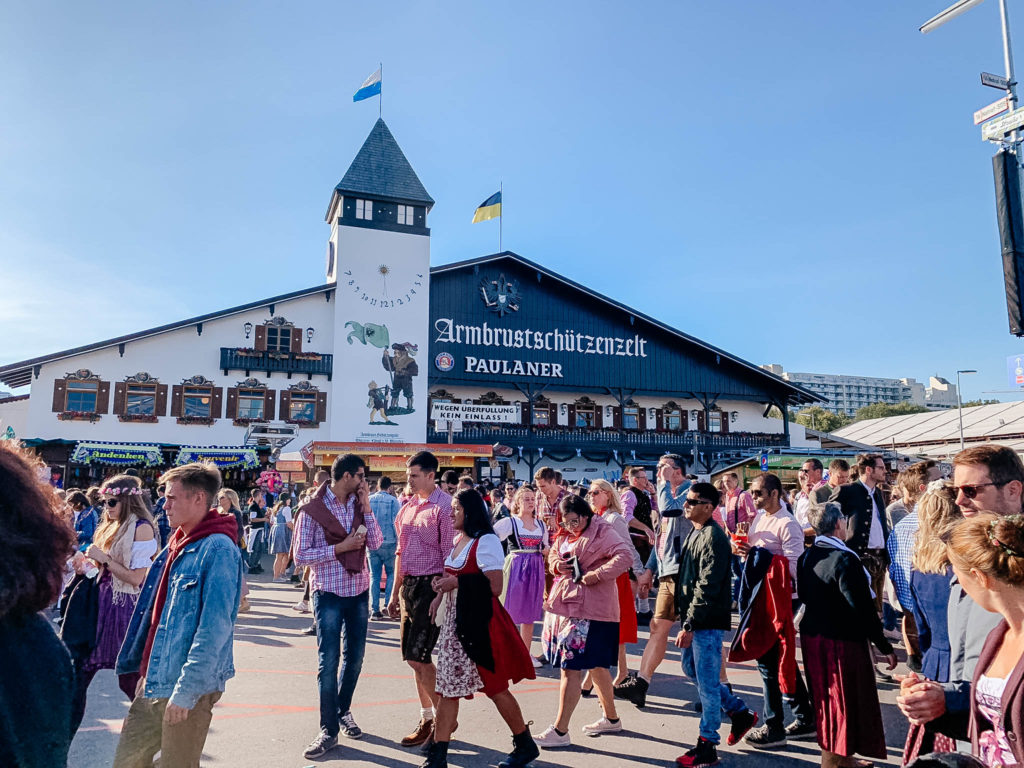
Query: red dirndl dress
{"points": [[627, 610], [512, 661]]}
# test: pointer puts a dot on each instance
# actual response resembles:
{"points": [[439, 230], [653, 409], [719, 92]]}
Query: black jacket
{"points": [[703, 586], [856, 504], [834, 589]]}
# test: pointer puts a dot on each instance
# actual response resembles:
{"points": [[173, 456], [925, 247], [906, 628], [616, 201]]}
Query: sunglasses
{"points": [[115, 502], [971, 491], [695, 502], [571, 523], [756, 493]]}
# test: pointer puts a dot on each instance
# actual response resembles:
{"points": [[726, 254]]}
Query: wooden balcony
{"points": [[309, 364]]}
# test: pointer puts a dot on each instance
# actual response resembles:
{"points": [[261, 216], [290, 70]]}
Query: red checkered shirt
{"points": [[425, 533], [549, 512], [312, 550]]}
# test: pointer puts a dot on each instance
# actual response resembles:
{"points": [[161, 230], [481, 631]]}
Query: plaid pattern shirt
{"points": [[312, 550], [739, 508], [549, 512], [901, 551], [425, 534]]}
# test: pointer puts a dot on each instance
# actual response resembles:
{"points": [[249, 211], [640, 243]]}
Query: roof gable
{"points": [[684, 363], [381, 171]]}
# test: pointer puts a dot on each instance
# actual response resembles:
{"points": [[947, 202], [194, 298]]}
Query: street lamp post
{"points": [[960, 405]]}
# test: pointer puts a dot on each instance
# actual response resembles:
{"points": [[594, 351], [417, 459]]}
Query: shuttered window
{"points": [[585, 416], [197, 402], [251, 403], [82, 396], [302, 406], [542, 414], [631, 417], [673, 420], [140, 400], [405, 215], [279, 338], [714, 421]]}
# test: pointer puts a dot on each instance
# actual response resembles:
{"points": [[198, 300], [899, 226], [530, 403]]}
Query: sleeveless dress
{"points": [[523, 595], [457, 675]]}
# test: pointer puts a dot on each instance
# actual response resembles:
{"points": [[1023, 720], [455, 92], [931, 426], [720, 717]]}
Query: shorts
{"points": [[403, 386], [665, 605], [418, 634]]}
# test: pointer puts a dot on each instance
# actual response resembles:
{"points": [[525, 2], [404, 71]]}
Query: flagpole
{"points": [[500, 215], [380, 96]]}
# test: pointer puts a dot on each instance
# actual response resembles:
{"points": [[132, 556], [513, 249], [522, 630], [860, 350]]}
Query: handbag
{"points": [[80, 607]]}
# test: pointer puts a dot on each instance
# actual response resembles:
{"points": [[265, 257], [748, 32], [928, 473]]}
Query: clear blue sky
{"points": [[795, 182]]}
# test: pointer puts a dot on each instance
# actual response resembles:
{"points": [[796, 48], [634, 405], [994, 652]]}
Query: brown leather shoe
{"points": [[423, 731]]}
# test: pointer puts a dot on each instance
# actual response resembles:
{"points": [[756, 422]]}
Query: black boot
{"points": [[437, 755], [524, 751]]}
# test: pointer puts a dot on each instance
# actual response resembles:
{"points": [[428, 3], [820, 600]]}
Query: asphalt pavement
{"points": [[269, 712]]}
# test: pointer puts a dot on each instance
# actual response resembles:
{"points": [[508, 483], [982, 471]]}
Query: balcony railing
{"points": [[610, 438], [309, 363]]}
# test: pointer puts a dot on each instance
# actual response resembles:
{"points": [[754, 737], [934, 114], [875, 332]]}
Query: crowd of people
{"points": [[812, 584]]}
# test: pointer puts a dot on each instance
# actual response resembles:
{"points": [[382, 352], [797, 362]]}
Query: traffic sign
{"points": [[993, 109], [1015, 371], [994, 81], [995, 130]]}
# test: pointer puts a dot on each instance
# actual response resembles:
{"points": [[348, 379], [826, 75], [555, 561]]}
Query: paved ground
{"points": [[269, 711]]}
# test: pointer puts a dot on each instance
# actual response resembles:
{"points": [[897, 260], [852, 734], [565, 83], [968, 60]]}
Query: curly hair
{"points": [[938, 515], [37, 541]]}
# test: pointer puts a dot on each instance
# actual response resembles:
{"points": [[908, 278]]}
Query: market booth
{"points": [[389, 458]]}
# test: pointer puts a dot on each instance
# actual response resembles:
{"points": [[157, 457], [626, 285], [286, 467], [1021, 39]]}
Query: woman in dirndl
{"points": [[526, 541], [839, 620], [587, 556], [281, 536], [123, 549], [479, 649]]}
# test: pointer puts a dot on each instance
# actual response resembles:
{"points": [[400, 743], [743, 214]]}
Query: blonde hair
{"points": [[232, 497], [937, 514], [517, 501], [614, 502], [128, 490], [991, 544]]}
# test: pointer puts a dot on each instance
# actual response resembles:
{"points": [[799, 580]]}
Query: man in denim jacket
{"points": [[180, 636]]}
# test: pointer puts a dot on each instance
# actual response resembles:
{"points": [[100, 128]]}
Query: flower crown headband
{"points": [[1002, 545], [123, 491]]}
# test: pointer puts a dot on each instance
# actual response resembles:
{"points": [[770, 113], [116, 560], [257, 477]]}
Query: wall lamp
{"points": [[248, 329], [735, 415], [309, 335]]}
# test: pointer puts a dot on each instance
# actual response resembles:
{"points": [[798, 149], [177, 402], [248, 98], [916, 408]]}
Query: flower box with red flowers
{"points": [[141, 418], [247, 352], [244, 422], [302, 422], [315, 356], [78, 416], [204, 420]]}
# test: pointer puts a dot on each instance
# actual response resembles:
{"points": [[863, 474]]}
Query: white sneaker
{"points": [[536, 662], [302, 606], [552, 739], [604, 725]]}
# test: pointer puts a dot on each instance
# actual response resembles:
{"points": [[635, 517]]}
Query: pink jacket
{"points": [[600, 551]]}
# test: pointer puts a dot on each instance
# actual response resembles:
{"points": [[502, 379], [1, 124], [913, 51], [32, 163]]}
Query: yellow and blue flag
{"points": [[370, 87], [488, 209]]}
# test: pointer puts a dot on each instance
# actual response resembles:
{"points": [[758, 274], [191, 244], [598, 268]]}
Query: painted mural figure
{"points": [[378, 403], [403, 367]]}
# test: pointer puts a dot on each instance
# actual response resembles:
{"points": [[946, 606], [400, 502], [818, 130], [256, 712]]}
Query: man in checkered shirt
{"points": [[340, 593]]}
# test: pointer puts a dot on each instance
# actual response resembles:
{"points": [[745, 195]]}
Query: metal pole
{"points": [[959, 404], [1008, 63], [501, 216]]}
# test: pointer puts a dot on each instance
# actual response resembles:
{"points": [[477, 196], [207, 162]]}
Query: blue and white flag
{"points": [[370, 87]]}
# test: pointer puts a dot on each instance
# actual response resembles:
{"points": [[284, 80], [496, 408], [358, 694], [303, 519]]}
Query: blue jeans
{"points": [[383, 559], [341, 624], [702, 662], [768, 666]]}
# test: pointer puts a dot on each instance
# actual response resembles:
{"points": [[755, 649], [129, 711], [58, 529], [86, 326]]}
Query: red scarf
{"points": [[214, 522]]}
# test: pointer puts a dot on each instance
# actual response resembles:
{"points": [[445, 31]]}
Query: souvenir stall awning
{"points": [[391, 456], [118, 454], [223, 457]]}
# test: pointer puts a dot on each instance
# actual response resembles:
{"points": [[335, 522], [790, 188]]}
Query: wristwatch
{"points": [[687, 626]]}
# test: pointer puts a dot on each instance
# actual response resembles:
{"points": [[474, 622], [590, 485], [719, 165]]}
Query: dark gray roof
{"points": [[381, 171]]}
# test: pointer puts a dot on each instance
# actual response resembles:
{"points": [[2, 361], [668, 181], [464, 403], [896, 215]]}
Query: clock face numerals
{"points": [[383, 288]]}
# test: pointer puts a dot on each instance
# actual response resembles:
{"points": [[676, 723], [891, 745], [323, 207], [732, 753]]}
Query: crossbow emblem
{"points": [[500, 295]]}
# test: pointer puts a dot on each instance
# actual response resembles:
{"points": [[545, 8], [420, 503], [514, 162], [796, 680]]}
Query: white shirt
{"points": [[801, 508], [875, 538], [489, 554]]}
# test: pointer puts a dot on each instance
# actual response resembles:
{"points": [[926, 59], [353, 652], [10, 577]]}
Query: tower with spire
{"points": [[378, 255]]}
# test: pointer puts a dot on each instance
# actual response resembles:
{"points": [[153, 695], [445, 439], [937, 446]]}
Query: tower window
{"points": [[364, 209], [405, 215]]}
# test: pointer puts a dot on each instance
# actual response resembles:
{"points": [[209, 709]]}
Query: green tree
{"points": [[973, 403], [822, 420], [881, 410]]}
